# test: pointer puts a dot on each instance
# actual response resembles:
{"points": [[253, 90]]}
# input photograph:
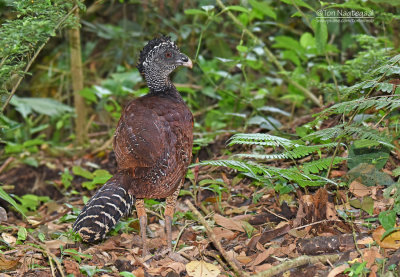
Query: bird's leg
{"points": [[170, 203], [141, 213]]}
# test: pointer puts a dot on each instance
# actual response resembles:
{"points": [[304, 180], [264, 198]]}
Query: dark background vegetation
{"points": [[283, 100]]}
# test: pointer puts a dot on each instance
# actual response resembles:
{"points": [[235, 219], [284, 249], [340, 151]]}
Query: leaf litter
{"points": [[259, 228]]}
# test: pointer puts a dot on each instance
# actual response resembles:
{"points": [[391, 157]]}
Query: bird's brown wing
{"points": [[140, 137]]}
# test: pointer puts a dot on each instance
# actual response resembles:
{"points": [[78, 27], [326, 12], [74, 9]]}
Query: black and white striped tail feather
{"points": [[104, 210]]}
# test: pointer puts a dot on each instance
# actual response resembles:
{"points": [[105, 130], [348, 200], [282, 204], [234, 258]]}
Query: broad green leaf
{"points": [[77, 170], [4, 195], [22, 233], [307, 40], [237, 8], [242, 48], [127, 274], [46, 106], [388, 219], [321, 34], [88, 94], [195, 12], [299, 3], [263, 8]]}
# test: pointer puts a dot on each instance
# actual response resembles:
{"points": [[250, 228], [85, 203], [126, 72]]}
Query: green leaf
{"points": [[388, 219], [88, 94], [22, 233], [195, 12], [299, 3], [127, 274], [368, 205], [321, 34], [4, 195], [242, 48], [307, 40], [46, 106], [77, 170], [263, 8], [41, 237], [237, 8]]}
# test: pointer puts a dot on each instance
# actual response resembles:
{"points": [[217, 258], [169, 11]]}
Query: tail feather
{"points": [[104, 210]]}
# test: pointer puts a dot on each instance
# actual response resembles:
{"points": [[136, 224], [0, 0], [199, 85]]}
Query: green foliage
{"points": [[36, 21], [30, 202], [98, 177], [4, 195], [303, 175]]}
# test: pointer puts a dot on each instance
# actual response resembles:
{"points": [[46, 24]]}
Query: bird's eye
{"points": [[168, 55]]}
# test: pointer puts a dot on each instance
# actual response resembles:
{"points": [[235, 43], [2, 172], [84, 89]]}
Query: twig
{"points": [[53, 271], [302, 260], [215, 241], [180, 234], [43, 248], [271, 56], [218, 258], [4, 165], [277, 215], [28, 66]]}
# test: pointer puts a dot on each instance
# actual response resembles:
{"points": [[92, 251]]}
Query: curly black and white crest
{"points": [[151, 48]]}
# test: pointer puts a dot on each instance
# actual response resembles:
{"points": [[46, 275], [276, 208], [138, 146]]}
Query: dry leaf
{"points": [[55, 244], [370, 255], [221, 233], [337, 270], [391, 241], [177, 267], [10, 239], [359, 190], [202, 269], [7, 264], [72, 267], [244, 259], [263, 256], [331, 211], [228, 223]]}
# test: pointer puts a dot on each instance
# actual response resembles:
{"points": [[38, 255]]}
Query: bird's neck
{"points": [[161, 85], [157, 81]]}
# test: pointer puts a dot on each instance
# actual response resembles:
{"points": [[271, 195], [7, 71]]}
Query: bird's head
{"points": [[159, 58]]}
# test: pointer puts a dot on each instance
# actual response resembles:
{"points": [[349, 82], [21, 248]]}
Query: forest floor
{"points": [[319, 231]]}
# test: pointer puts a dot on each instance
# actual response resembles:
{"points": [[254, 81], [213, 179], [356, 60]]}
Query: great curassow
{"points": [[153, 147]]}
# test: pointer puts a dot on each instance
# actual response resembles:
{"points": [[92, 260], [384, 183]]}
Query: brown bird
{"points": [[153, 146]]}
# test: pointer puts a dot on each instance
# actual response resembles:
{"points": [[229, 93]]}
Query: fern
{"points": [[288, 150], [321, 164], [360, 105], [297, 151], [259, 139]]}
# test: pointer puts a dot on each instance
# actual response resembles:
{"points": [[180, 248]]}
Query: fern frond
{"points": [[362, 104], [259, 139], [363, 132], [321, 164], [298, 151]]}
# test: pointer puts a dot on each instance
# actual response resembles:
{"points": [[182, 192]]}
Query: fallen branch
{"points": [[302, 260], [215, 241]]}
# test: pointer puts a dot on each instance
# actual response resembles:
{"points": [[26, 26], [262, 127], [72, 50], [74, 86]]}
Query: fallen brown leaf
{"points": [[202, 269], [6, 264], [228, 223], [359, 190], [391, 241]]}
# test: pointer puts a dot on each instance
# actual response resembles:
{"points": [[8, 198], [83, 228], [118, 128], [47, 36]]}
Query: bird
{"points": [[153, 147]]}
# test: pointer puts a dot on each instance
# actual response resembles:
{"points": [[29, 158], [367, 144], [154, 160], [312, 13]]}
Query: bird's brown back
{"points": [[153, 141]]}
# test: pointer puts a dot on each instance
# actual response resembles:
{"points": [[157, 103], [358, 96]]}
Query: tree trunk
{"points": [[77, 83]]}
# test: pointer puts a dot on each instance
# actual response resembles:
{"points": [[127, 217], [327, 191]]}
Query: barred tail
{"points": [[104, 209]]}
